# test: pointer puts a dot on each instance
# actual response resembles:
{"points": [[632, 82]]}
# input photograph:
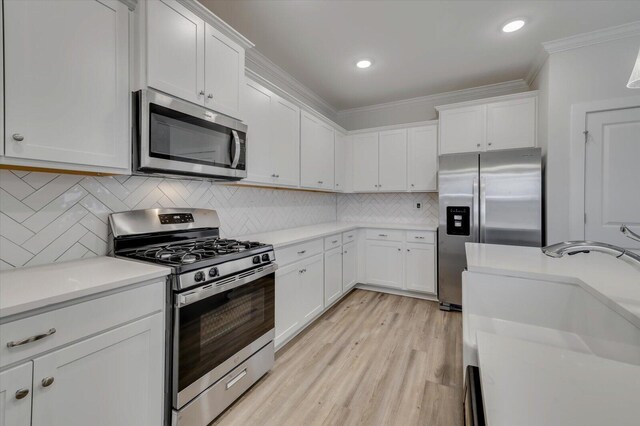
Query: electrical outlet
{"points": [[418, 205]]}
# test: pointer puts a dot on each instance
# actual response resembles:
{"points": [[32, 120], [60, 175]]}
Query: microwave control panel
{"points": [[459, 220]]}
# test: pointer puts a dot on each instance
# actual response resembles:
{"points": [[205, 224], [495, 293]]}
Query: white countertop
{"points": [[296, 235], [526, 383], [25, 289], [614, 282]]}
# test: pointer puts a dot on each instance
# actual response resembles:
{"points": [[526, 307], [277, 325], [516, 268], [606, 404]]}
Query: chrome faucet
{"points": [[575, 247], [629, 233]]}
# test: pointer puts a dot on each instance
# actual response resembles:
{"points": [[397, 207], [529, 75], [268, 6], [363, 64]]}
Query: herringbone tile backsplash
{"points": [[47, 217]]}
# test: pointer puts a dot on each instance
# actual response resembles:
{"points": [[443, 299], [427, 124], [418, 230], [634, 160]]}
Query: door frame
{"points": [[577, 156]]}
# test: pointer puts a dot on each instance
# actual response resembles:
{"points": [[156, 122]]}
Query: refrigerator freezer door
{"points": [[458, 186], [511, 197]]}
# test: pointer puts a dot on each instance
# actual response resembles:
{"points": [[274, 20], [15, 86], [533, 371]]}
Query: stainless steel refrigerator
{"points": [[490, 197]]}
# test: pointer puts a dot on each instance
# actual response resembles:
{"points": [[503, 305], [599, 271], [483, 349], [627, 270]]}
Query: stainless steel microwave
{"points": [[174, 137]]}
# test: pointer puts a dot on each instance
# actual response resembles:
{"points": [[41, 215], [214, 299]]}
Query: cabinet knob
{"points": [[21, 393], [210, 96], [201, 93], [399, 249], [47, 381], [320, 182], [489, 143], [412, 185], [478, 145], [17, 137]]}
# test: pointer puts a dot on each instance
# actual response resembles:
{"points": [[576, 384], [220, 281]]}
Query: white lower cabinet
{"points": [[420, 264], [384, 263], [15, 395], [332, 275], [349, 266], [312, 286]]}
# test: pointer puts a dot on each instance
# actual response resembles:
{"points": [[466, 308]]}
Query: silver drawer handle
{"points": [[237, 378], [37, 337], [382, 235], [210, 96], [320, 182], [349, 236], [334, 241], [47, 381], [201, 93], [21, 393], [17, 137], [302, 252], [419, 238]]}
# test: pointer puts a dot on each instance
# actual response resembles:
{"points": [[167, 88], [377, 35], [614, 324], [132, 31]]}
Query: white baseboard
{"points": [[397, 292]]}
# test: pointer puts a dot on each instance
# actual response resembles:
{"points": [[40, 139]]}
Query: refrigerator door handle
{"points": [[483, 209], [475, 210]]}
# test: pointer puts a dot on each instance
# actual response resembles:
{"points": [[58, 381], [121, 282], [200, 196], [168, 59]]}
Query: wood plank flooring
{"points": [[373, 359]]}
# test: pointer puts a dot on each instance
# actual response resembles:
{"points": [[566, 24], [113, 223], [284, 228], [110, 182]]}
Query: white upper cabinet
{"points": [[392, 160], [175, 50], [66, 71], [191, 59], [285, 141], [462, 129], [503, 122], [511, 124], [316, 153], [340, 162], [365, 162], [224, 73], [423, 158]]}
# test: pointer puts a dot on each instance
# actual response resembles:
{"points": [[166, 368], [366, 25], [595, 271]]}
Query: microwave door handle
{"points": [[236, 155]]}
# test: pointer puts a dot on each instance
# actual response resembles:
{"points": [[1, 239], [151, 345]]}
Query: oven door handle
{"points": [[236, 154], [223, 285]]}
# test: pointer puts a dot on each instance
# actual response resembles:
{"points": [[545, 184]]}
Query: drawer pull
{"points": [[237, 378], [21, 393], [349, 236], [302, 252], [382, 235], [419, 238], [35, 338], [47, 381], [334, 241]]}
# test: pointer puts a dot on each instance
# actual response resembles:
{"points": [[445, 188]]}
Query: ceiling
{"points": [[418, 47]]}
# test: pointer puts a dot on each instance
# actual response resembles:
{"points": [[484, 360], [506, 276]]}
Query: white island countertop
{"points": [[26, 289], [526, 383], [285, 237], [612, 281]]}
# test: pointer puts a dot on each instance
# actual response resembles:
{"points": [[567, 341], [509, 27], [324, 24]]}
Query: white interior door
{"points": [[612, 176]]}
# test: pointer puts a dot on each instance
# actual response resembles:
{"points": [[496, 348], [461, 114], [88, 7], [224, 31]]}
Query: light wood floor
{"points": [[373, 359]]}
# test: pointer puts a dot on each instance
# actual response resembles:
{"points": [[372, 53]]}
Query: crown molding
{"points": [[226, 29], [394, 127], [501, 98], [587, 39], [536, 65], [262, 66], [486, 91]]}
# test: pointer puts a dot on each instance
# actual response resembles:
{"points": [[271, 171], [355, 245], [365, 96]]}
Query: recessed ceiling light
{"points": [[512, 26], [364, 63]]}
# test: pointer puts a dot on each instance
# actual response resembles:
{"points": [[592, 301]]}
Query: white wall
{"points": [[591, 73]]}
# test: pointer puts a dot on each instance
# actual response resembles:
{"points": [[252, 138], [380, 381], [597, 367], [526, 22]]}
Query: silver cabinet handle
{"points": [[201, 93], [412, 185], [236, 156], [21, 393], [478, 145], [17, 137], [419, 238], [302, 252], [345, 252], [320, 182], [237, 378], [334, 241], [399, 249], [489, 143], [210, 96], [35, 338], [382, 235], [47, 381], [277, 176], [408, 250]]}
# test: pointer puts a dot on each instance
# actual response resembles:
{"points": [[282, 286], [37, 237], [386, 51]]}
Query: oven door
{"points": [[218, 326], [176, 137]]}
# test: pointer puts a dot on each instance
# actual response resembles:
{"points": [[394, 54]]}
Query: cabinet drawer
{"points": [[332, 241], [299, 251], [421, 237], [348, 236], [78, 321], [385, 234]]}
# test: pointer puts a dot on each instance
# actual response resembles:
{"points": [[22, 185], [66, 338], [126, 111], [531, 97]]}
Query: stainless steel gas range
{"points": [[220, 319]]}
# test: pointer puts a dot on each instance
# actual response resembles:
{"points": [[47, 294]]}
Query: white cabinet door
{"points": [[114, 378], [349, 266], [384, 263], [15, 395], [511, 124], [223, 73], [66, 76], [365, 162], [423, 158], [285, 142], [462, 129], [421, 268], [332, 275], [312, 288], [393, 160], [326, 142], [288, 293], [341, 152], [175, 50], [316, 153], [257, 108]]}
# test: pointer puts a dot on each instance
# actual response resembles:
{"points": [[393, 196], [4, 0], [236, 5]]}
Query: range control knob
{"points": [[199, 276], [256, 260], [213, 272], [265, 257]]}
